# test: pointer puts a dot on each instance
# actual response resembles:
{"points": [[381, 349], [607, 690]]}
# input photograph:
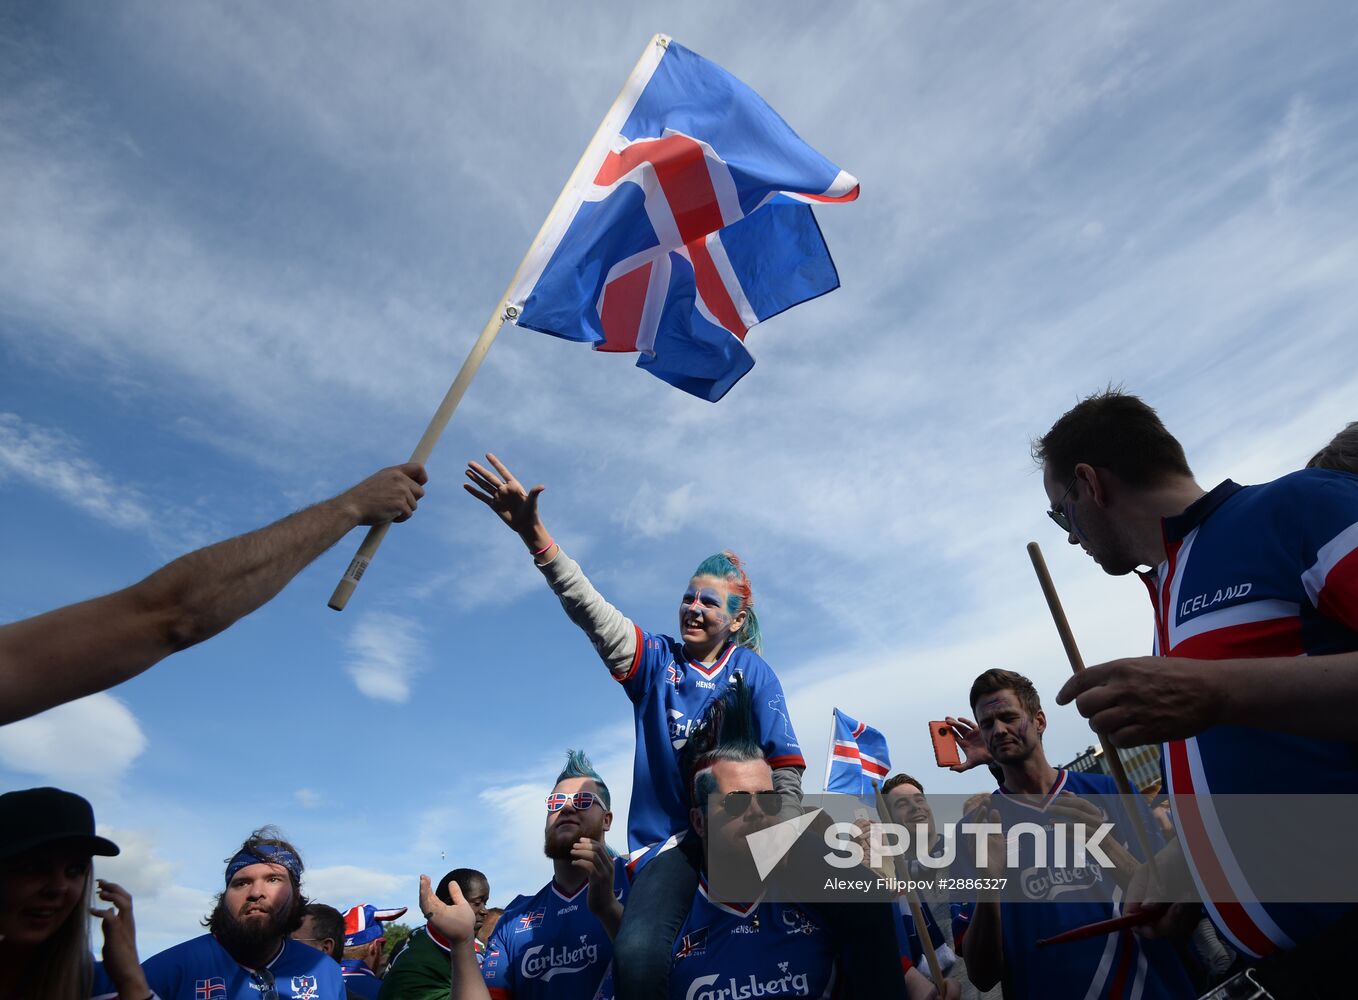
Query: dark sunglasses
{"points": [[1057, 511], [736, 804], [265, 978]]}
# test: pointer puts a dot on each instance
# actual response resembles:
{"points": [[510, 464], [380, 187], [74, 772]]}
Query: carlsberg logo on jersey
{"points": [[680, 728], [1048, 882], [543, 962], [787, 985]]}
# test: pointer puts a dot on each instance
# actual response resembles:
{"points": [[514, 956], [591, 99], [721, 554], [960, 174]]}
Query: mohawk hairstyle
{"points": [[727, 732], [726, 565], [579, 766]]}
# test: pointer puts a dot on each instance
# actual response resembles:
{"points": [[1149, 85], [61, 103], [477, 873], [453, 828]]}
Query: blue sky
{"points": [[245, 247]]}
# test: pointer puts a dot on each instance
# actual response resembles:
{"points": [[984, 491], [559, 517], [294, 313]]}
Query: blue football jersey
{"points": [[201, 969], [725, 951], [1256, 571], [550, 945], [359, 979], [1060, 897], [670, 694]]}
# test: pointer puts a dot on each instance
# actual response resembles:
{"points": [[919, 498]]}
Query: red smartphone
{"points": [[945, 744]]}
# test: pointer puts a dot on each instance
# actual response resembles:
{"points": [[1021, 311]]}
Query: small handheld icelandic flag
{"points": [[858, 757], [685, 224]]}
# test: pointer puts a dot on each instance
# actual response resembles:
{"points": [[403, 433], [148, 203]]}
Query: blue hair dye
{"points": [[725, 565], [579, 766]]}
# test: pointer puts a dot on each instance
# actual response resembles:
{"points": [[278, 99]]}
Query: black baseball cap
{"points": [[36, 817]]}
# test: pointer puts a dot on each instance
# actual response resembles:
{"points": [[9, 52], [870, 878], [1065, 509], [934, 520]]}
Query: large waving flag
{"points": [[858, 757], [685, 224]]}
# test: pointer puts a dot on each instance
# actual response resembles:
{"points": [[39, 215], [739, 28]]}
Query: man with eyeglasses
{"points": [[1255, 673], [247, 954], [559, 942]]}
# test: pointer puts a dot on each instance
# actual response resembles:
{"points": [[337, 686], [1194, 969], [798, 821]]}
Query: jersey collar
{"points": [[438, 938], [1177, 527], [735, 909], [282, 946], [710, 671], [573, 896], [1056, 788]]}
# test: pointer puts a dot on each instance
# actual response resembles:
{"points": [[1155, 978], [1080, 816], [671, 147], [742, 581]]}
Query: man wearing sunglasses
{"points": [[758, 948], [1255, 673], [558, 943], [247, 954]]}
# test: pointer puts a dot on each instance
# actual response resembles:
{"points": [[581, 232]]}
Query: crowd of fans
{"points": [[1248, 689]]}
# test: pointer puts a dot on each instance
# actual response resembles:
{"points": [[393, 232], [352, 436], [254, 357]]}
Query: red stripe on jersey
{"points": [[438, 938], [1275, 637], [1201, 852], [1339, 598], [906, 964], [788, 760], [1126, 951], [1165, 607], [636, 658], [500, 993]]}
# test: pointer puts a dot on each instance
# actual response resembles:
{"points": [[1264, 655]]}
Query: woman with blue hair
{"points": [[670, 681]]}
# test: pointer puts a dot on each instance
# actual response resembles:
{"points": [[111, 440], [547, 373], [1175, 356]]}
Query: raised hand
{"points": [[502, 493], [970, 742], [591, 857], [120, 940], [455, 921], [1146, 699]]}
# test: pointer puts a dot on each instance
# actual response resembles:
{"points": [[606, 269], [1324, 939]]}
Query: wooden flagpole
{"points": [[503, 311], [911, 897], [1077, 665]]}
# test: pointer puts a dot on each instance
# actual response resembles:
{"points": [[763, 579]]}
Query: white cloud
{"points": [[1290, 150], [655, 513], [307, 798], [138, 867], [385, 651], [51, 460], [93, 739], [343, 886], [176, 916]]}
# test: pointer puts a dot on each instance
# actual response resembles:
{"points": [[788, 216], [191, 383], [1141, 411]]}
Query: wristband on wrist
{"points": [[545, 549]]}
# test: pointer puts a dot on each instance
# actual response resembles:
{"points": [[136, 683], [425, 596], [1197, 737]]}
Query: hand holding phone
{"points": [[945, 744]]}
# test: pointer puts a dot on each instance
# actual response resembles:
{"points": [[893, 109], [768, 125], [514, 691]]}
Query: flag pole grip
{"points": [[921, 928], [504, 310], [1077, 665]]}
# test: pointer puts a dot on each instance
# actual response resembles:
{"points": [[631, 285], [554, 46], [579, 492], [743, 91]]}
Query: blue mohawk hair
{"points": [[579, 766]]}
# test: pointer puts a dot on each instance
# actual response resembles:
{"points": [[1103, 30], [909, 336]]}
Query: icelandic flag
{"points": [[685, 224], [858, 757]]}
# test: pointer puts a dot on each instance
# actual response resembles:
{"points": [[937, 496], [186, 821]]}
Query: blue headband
{"points": [[265, 854]]}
